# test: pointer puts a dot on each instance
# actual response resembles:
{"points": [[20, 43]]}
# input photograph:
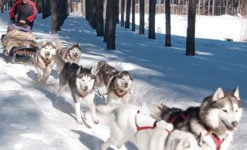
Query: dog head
{"points": [[123, 81], [47, 49], [85, 79], [222, 110], [74, 52]]}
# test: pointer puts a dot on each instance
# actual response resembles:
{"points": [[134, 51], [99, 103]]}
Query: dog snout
{"points": [[234, 124], [75, 55], [85, 88], [126, 85], [47, 54]]}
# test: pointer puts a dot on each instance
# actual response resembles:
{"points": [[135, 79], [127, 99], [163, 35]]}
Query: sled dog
{"points": [[117, 83], [161, 138], [131, 123], [43, 62], [81, 83], [70, 54], [214, 122]]}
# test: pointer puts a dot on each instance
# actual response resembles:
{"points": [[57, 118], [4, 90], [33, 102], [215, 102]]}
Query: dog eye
{"points": [[225, 110], [236, 110]]}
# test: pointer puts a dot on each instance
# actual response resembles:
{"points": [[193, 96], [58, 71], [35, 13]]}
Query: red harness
{"points": [[85, 94], [138, 128], [216, 139]]}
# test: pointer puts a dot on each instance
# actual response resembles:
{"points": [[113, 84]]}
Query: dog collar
{"points": [[138, 128], [214, 136], [85, 94]]}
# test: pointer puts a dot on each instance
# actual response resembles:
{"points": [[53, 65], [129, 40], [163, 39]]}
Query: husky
{"points": [[213, 122], [117, 83], [70, 54], [162, 137], [43, 62], [128, 122], [81, 83]]}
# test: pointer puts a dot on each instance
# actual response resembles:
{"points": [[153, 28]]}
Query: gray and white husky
{"points": [[117, 83], [214, 122], [43, 62], [129, 122], [81, 82], [70, 54]]}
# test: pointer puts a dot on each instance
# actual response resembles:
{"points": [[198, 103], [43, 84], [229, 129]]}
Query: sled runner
{"points": [[19, 44]]}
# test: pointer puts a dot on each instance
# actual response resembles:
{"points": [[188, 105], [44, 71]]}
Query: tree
{"points": [[127, 20], [99, 18], [190, 40], [122, 12], [168, 23], [141, 25], [111, 24], [54, 16], [151, 19], [133, 15]]}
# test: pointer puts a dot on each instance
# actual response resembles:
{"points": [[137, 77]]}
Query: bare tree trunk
{"points": [[151, 18], [54, 16], [122, 12], [141, 25], [190, 41], [213, 7], [127, 20], [168, 23], [100, 18], [111, 26], [133, 15]]}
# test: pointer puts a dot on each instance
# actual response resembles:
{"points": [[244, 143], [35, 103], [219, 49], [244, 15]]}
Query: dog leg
{"points": [[91, 104], [39, 74], [46, 74], [78, 113]]}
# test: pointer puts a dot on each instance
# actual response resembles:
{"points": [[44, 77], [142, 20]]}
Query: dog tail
{"points": [[59, 63], [106, 109]]}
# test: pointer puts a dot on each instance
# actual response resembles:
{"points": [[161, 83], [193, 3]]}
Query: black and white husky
{"points": [[117, 83], [81, 82], [214, 122], [70, 54], [43, 62]]}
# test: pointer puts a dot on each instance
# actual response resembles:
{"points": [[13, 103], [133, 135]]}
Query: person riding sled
{"points": [[23, 13]]}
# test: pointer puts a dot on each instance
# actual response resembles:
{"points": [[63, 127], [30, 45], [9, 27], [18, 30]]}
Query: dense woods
{"points": [[103, 15]]}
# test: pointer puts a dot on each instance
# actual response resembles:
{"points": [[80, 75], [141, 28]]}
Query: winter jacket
{"points": [[23, 11]]}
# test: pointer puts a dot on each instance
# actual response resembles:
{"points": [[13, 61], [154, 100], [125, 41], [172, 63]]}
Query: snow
{"points": [[33, 117]]}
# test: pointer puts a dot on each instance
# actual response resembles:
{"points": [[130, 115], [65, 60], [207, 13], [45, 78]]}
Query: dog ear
{"points": [[236, 93], [79, 70], [218, 94]]}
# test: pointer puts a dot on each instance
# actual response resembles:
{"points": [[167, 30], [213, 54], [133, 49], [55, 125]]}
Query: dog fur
{"points": [[128, 122], [117, 83], [81, 82], [69, 54], [43, 62], [215, 120]]}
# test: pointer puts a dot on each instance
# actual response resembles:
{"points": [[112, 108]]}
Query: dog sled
{"points": [[19, 44]]}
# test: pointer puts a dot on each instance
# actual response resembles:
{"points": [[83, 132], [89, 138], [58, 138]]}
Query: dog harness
{"points": [[216, 139], [85, 94], [172, 120], [214, 136], [138, 128]]}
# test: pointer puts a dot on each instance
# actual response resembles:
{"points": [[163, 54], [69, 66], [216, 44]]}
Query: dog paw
{"points": [[80, 122], [96, 121]]}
